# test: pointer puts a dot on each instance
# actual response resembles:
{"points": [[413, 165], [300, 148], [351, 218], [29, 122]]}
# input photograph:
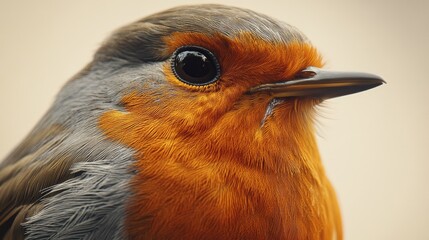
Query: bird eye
{"points": [[195, 65]]}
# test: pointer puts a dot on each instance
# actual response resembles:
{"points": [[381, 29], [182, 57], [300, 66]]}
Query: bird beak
{"points": [[319, 83]]}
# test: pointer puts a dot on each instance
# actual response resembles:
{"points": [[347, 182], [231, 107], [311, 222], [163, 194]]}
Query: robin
{"points": [[193, 123]]}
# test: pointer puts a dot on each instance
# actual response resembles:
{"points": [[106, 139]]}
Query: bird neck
{"points": [[235, 180]]}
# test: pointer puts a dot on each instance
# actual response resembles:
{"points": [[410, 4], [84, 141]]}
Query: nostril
{"points": [[306, 73]]}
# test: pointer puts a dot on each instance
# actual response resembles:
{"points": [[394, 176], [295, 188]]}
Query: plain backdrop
{"points": [[375, 144]]}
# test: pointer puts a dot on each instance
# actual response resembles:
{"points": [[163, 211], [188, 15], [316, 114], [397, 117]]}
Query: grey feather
{"points": [[78, 180]]}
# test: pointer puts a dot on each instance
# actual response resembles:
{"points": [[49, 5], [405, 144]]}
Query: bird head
{"points": [[219, 96], [213, 81], [186, 123]]}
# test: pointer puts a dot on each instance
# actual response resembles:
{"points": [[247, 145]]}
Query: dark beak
{"points": [[319, 83]]}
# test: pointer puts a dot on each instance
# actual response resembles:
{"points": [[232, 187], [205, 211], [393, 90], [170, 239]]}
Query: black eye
{"points": [[195, 65]]}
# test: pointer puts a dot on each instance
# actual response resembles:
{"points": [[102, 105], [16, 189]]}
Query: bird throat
{"points": [[237, 181]]}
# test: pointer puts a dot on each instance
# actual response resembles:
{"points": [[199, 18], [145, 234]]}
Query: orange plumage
{"points": [[193, 123], [225, 170]]}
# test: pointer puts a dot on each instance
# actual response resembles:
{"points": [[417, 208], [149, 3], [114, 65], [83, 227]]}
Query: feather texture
{"points": [[129, 151]]}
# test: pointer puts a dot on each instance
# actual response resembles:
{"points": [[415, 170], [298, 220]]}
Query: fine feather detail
{"points": [[138, 153], [89, 206], [78, 186]]}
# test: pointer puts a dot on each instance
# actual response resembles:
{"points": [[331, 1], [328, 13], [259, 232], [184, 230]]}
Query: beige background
{"points": [[375, 145]]}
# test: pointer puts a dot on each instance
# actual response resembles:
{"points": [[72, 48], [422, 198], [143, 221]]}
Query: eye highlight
{"points": [[195, 65]]}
